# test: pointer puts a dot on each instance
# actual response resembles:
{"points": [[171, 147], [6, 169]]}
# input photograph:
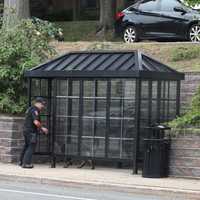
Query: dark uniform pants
{"points": [[28, 149]]}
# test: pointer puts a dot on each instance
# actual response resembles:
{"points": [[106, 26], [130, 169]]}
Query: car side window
{"points": [[149, 6], [168, 6]]}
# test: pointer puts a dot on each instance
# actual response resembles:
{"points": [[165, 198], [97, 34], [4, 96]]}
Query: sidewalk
{"points": [[119, 179]]}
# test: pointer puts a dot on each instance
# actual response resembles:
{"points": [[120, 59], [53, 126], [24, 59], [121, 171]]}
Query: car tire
{"points": [[194, 33], [130, 35]]}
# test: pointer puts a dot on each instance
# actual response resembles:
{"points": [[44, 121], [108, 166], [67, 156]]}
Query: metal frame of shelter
{"points": [[99, 103]]}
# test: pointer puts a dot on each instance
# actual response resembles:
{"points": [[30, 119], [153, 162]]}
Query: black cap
{"points": [[40, 100]]}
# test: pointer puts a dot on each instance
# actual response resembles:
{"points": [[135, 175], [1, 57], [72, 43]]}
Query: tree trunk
{"points": [[15, 10], [107, 12], [76, 9]]}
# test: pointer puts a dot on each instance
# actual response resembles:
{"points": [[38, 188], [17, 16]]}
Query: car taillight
{"points": [[119, 15]]}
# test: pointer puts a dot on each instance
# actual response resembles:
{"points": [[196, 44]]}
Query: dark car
{"points": [[158, 19]]}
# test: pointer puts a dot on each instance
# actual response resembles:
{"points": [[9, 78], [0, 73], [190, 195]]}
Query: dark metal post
{"points": [[80, 117], [137, 126], [53, 157], [168, 100], [158, 101], [29, 91], [108, 97], [49, 113], [69, 120], [178, 89], [163, 98], [150, 102]]}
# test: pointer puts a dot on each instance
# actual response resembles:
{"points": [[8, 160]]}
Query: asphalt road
{"points": [[30, 191]]}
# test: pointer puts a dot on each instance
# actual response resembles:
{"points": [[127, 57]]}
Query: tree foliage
{"points": [[192, 2], [192, 117], [23, 46]]}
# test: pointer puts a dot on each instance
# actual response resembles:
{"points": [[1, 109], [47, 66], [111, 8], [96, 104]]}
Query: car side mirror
{"points": [[180, 9]]}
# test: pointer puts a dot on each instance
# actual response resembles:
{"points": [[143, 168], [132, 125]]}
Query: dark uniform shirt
{"points": [[32, 114]]}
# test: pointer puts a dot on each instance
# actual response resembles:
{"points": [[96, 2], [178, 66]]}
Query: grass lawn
{"points": [[78, 30]]}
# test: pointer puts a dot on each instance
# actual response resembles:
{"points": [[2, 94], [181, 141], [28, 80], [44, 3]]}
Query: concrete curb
{"points": [[139, 189]]}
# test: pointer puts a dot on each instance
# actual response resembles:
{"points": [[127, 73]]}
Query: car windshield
{"points": [[134, 6]]}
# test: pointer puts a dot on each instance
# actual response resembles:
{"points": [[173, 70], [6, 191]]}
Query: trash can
{"points": [[156, 152]]}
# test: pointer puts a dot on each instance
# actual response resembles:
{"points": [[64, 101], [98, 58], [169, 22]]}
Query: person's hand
{"points": [[45, 130]]}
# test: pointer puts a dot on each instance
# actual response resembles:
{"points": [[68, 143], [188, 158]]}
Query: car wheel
{"points": [[194, 33], [130, 35]]}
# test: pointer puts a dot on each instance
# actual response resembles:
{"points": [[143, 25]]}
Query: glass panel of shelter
{"points": [[40, 89], [122, 119], [94, 118], [168, 100], [67, 117], [93, 133]]}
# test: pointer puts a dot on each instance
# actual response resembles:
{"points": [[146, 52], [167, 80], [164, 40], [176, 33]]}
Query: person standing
{"points": [[32, 127]]}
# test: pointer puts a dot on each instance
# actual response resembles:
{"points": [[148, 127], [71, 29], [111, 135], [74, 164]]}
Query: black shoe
{"points": [[20, 164], [27, 166]]}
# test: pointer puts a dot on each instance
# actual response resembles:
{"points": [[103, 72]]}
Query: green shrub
{"points": [[185, 53], [22, 47]]}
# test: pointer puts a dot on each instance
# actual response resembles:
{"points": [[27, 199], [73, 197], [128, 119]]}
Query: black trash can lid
{"points": [[159, 127]]}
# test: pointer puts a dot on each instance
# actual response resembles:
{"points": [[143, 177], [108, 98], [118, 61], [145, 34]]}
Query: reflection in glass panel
{"points": [[115, 128], [35, 87], [144, 110], [144, 123], [129, 89], [145, 89], [100, 129], [129, 108], [72, 145], [44, 87], [115, 108], [154, 89], [114, 148], [164, 89], [164, 110], [59, 145], [101, 88], [75, 88], [127, 149], [62, 105], [88, 107], [75, 107], [129, 129], [99, 147], [172, 109], [117, 88], [62, 87], [74, 126], [173, 90], [87, 148], [88, 125], [154, 112], [88, 89], [100, 108], [61, 126]]}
